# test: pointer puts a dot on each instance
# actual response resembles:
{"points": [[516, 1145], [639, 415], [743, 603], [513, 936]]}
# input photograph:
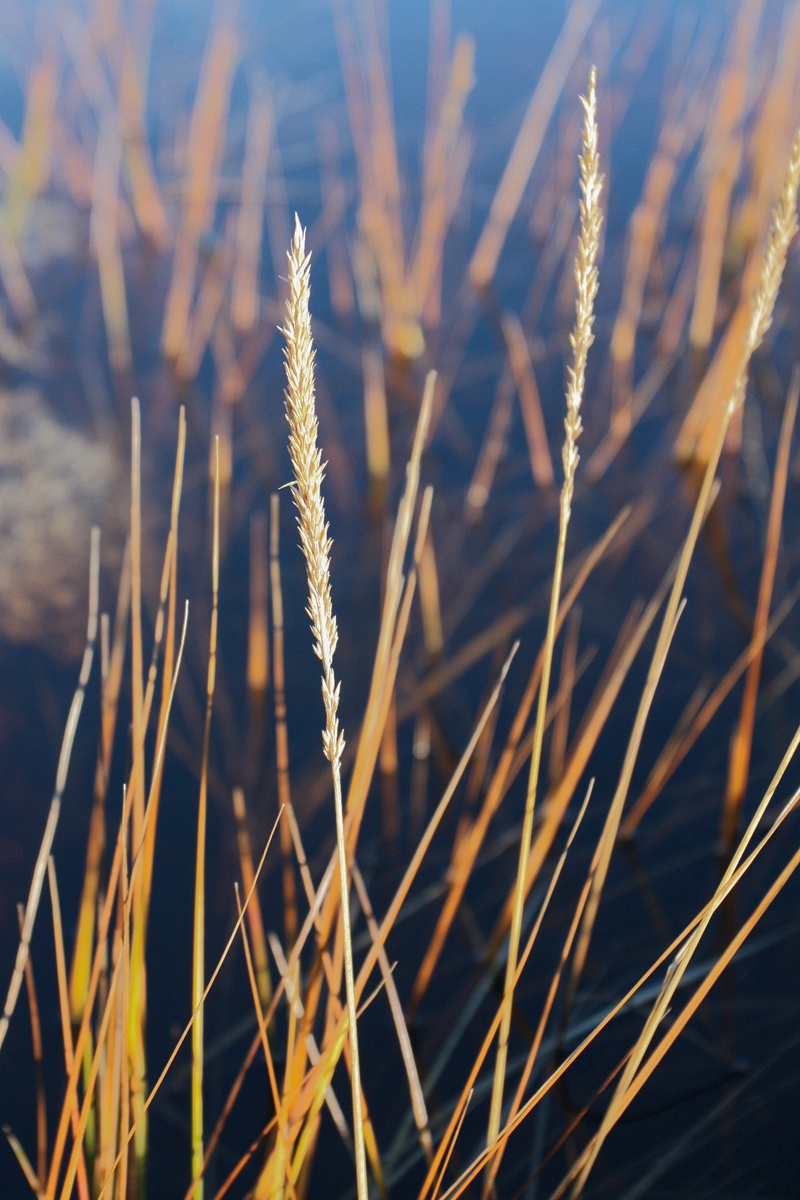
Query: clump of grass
{"points": [[107, 1096]]}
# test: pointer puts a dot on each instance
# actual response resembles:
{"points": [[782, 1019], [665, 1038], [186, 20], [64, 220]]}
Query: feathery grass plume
{"points": [[315, 540], [581, 338], [783, 229]]}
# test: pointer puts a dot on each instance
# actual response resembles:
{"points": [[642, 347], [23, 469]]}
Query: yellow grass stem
{"points": [[258, 625], [204, 154], [376, 416], [581, 339], [724, 150], [198, 945], [98, 965], [64, 1010], [40, 867], [742, 740], [668, 763], [254, 918], [316, 544], [519, 359]]}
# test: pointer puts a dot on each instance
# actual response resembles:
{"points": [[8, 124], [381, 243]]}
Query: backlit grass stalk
{"points": [[316, 544], [581, 339]]}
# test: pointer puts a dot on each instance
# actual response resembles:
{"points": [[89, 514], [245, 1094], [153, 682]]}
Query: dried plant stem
{"points": [[316, 544], [37, 882], [581, 339]]}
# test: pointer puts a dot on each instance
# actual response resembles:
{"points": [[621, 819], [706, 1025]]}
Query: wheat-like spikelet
{"points": [[315, 540], [309, 471], [783, 229], [586, 278]]}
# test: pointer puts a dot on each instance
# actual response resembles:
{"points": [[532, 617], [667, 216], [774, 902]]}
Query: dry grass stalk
{"points": [[258, 625], [316, 544], [581, 339], [204, 154], [742, 740], [724, 151], [519, 359], [37, 882]]}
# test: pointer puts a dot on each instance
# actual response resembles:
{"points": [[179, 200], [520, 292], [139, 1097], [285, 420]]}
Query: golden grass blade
{"points": [[742, 740], [581, 339], [519, 358], [64, 1010], [257, 627], [725, 135], [376, 417], [98, 964], [451, 1146], [198, 951], [254, 917], [37, 882], [316, 544], [204, 154], [666, 766], [33, 161], [144, 189], [529, 142]]}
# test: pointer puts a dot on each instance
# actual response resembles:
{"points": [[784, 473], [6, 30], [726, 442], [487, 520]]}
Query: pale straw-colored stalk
{"points": [[581, 339], [315, 540]]}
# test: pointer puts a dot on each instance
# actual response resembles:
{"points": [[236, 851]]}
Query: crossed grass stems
{"points": [[100, 1147]]}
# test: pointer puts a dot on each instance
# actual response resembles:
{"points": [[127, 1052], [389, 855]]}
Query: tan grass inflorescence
{"points": [[316, 543]]}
